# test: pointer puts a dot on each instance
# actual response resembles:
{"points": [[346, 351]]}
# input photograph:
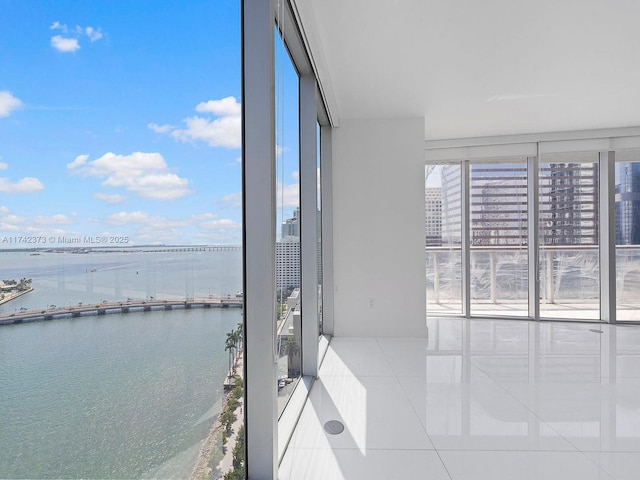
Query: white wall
{"points": [[378, 212]]}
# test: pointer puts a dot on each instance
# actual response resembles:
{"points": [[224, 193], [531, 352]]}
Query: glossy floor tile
{"points": [[492, 465], [494, 399], [347, 464]]}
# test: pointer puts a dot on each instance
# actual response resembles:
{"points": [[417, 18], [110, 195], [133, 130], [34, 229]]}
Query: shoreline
{"points": [[13, 297], [202, 470]]}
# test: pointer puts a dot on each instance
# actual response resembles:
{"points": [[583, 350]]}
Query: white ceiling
{"points": [[480, 67]]}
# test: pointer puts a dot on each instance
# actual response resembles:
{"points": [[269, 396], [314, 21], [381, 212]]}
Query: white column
{"points": [[259, 235], [607, 218], [533, 236], [309, 224], [465, 193], [326, 184]]}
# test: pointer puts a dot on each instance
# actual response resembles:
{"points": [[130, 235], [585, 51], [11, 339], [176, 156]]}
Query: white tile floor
{"points": [[478, 399]]}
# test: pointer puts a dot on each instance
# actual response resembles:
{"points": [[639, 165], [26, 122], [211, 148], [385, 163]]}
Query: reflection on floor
{"points": [[478, 399], [575, 310]]}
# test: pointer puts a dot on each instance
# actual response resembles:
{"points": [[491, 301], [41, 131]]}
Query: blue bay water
{"points": [[115, 396]]}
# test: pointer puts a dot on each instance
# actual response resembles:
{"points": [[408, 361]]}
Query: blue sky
{"points": [[123, 119]]}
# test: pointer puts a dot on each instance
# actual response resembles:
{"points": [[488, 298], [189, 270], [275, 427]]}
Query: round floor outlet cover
{"points": [[333, 427]]}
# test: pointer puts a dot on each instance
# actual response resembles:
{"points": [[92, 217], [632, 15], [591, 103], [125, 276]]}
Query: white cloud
{"points": [[224, 131], [223, 230], [233, 200], [222, 223], [58, 219], [146, 174], [58, 26], [3, 166], [205, 216], [39, 225], [145, 218], [288, 196], [63, 44], [8, 103], [93, 34], [160, 128], [224, 107], [128, 218], [79, 161], [70, 42], [113, 199], [24, 185], [221, 132], [151, 228], [12, 223]]}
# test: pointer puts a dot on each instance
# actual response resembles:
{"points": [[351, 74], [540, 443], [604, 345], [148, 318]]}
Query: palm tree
{"points": [[231, 337], [229, 345], [240, 335], [291, 349], [23, 284]]}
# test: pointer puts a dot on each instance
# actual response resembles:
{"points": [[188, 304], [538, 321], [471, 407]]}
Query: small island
{"points": [[10, 289]]}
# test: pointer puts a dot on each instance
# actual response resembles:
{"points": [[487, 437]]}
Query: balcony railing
{"points": [[569, 278]]}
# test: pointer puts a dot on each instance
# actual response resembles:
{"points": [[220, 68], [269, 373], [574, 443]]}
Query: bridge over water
{"points": [[118, 307]]}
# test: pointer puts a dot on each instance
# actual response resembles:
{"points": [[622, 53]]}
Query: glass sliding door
{"points": [[627, 211], [495, 211], [569, 254], [498, 238], [443, 238]]}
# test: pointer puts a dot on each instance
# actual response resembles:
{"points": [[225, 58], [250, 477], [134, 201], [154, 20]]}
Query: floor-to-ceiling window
{"points": [[627, 212], [288, 247], [443, 238], [498, 237], [569, 236], [281, 109], [536, 225]]}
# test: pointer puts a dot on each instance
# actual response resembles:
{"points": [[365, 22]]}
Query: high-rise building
{"points": [[569, 203], [289, 258], [499, 204], [450, 178], [291, 226], [288, 263], [433, 216], [627, 198]]}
